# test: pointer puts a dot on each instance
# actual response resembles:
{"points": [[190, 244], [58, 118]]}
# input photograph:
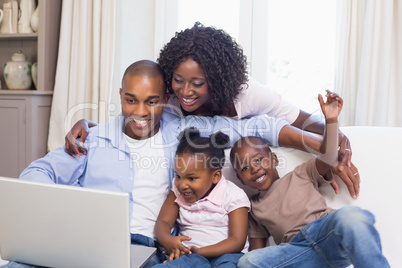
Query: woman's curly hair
{"points": [[222, 59]]}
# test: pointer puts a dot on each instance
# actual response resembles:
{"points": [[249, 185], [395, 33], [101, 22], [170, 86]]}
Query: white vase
{"points": [[10, 17], [34, 74], [17, 72], [27, 8], [35, 19]]}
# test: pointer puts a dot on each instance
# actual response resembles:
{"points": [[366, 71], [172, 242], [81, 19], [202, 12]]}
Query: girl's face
{"points": [[193, 179], [190, 85]]}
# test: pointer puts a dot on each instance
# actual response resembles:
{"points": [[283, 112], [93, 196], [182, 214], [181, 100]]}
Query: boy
{"points": [[292, 210]]}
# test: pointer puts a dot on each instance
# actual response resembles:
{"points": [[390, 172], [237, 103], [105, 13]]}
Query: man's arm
{"points": [[56, 167]]}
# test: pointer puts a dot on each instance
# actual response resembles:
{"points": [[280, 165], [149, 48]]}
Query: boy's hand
{"points": [[174, 247], [332, 107]]}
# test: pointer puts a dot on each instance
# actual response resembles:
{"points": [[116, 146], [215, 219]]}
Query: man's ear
{"points": [[239, 178], [216, 176], [167, 97], [121, 96]]}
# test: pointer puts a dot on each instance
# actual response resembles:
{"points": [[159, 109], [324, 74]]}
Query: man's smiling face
{"points": [[143, 99]]}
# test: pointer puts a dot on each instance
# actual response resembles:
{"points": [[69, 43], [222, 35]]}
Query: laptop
{"points": [[66, 226]]}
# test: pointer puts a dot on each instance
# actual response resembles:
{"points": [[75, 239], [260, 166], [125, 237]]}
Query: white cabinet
{"points": [[24, 121], [24, 114]]}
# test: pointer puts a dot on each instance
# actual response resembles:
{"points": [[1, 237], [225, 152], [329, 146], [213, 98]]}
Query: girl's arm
{"points": [[238, 225], [79, 130], [164, 224]]}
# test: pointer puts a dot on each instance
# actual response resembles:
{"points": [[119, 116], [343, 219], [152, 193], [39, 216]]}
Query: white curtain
{"points": [[84, 66], [369, 71]]}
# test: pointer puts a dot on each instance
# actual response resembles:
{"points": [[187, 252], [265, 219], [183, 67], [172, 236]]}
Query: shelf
{"points": [[24, 92], [28, 36]]}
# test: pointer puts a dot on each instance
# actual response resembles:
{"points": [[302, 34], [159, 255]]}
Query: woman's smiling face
{"points": [[190, 85]]}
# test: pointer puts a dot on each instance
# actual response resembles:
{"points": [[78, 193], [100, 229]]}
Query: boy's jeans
{"points": [[343, 237]]}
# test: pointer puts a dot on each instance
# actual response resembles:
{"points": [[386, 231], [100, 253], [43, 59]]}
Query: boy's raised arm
{"points": [[331, 109]]}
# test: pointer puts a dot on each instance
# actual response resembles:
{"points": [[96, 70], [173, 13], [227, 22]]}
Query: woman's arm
{"points": [[164, 224], [238, 225], [79, 130]]}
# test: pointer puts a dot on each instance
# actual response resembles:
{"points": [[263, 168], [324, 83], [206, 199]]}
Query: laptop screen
{"points": [[63, 226]]}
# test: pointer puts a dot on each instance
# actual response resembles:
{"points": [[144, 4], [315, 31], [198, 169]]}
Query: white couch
{"points": [[377, 154]]}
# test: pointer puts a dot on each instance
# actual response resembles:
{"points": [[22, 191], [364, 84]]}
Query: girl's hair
{"points": [[217, 53], [212, 147]]}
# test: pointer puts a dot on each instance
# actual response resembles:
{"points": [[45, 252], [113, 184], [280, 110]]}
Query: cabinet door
{"points": [[12, 137]]}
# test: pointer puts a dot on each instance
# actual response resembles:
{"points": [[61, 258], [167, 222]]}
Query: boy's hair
{"points": [[222, 59], [252, 141], [212, 147], [146, 68]]}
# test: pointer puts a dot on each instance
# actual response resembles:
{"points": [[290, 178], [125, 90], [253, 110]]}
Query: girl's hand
{"points": [[174, 247]]}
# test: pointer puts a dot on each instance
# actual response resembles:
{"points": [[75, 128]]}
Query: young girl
{"points": [[212, 213]]}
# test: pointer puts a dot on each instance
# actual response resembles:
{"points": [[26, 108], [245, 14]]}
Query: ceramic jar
{"points": [[17, 72]]}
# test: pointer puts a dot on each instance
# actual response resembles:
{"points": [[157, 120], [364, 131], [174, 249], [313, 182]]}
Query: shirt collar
{"points": [[216, 195]]}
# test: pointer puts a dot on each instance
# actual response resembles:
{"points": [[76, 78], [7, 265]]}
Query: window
{"points": [[299, 36], [301, 49], [223, 14]]}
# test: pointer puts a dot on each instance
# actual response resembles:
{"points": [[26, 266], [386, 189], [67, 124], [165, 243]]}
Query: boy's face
{"points": [[193, 179], [142, 101], [255, 166]]}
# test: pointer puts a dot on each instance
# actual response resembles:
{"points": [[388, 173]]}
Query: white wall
{"points": [[134, 34]]}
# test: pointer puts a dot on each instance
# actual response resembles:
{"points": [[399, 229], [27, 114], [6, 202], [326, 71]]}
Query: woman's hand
{"points": [[350, 176], [174, 247], [79, 130], [344, 151]]}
